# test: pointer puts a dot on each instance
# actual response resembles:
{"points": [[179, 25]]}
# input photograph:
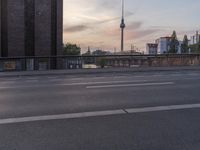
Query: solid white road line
{"points": [[129, 85], [162, 108], [61, 116], [98, 113]]}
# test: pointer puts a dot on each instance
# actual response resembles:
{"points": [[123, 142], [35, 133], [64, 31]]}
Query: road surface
{"points": [[122, 111]]}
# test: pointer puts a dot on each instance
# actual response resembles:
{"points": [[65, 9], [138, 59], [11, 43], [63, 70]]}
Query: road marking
{"points": [[96, 77], [106, 82], [98, 113], [129, 85], [85, 78], [89, 83], [162, 108], [61, 116]]}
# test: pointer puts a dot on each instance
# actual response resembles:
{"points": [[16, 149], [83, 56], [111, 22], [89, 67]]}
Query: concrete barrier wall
{"points": [[154, 61], [77, 62]]}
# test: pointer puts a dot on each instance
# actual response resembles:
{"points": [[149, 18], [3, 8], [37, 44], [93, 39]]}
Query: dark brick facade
{"points": [[29, 19], [16, 25], [31, 28], [3, 29]]}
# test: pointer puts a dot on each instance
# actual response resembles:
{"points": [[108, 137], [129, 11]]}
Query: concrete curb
{"points": [[97, 71]]}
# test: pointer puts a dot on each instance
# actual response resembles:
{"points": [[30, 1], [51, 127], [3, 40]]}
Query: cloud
{"points": [[106, 5], [107, 20], [137, 34], [96, 22], [76, 28], [134, 25], [129, 14], [86, 26]]}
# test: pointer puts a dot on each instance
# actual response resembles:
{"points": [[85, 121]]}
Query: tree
{"points": [[198, 45], [184, 45], [195, 48], [71, 49], [174, 43]]}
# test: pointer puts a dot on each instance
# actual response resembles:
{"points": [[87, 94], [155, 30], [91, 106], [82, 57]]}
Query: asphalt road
{"points": [[154, 111]]}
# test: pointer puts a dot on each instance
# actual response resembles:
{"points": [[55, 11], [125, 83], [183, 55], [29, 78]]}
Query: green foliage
{"points": [[174, 43], [195, 48], [71, 49], [184, 45], [101, 62]]}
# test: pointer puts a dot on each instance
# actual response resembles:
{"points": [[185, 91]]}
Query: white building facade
{"points": [[152, 49], [179, 47], [194, 39], [163, 44]]}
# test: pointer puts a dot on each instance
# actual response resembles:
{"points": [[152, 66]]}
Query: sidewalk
{"points": [[97, 71]]}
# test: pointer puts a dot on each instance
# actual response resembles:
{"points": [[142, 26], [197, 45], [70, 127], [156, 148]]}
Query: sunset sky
{"points": [[95, 23]]}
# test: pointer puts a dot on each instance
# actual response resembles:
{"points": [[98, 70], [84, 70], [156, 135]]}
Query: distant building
{"points": [[179, 47], [194, 39], [152, 48], [163, 44], [31, 28], [101, 52], [129, 52]]}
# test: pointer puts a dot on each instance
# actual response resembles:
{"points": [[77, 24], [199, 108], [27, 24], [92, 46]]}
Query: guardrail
{"points": [[80, 62]]}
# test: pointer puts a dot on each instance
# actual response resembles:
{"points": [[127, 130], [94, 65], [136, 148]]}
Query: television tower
{"points": [[122, 26]]}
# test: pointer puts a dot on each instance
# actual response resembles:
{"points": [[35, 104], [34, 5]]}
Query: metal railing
{"points": [[81, 62]]}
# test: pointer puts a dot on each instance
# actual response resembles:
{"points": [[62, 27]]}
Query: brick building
{"points": [[31, 28]]}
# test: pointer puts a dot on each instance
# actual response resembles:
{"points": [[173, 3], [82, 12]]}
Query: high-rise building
{"points": [[31, 28]]}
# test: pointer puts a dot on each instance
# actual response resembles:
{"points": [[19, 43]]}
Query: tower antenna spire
{"points": [[122, 26], [123, 9]]}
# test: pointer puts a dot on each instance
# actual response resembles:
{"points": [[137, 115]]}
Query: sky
{"points": [[96, 23]]}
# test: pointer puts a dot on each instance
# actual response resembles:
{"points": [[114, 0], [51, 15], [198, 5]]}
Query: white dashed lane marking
{"points": [[129, 85]]}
